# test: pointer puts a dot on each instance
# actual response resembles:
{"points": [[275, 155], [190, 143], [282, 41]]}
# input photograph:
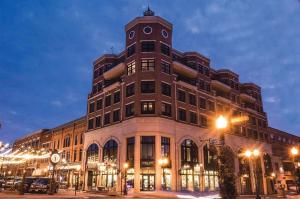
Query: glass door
{"points": [[148, 182]]}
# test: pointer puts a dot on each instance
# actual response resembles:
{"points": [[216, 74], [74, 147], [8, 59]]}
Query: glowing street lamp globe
{"points": [[248, 153], [294, 151], [221, 122]]}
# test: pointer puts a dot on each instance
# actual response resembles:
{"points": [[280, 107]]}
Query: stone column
{"points": [[137, 154], [264, 179], [158, 170], [236, 171], [173, 164]]}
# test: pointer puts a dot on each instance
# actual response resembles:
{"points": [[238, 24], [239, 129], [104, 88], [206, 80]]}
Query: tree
{"points": [[226, 173]]}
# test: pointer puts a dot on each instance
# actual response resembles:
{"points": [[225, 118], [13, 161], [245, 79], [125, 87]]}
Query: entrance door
{"points": [[148, 182]]}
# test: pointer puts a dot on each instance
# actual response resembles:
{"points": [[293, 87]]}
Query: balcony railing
{"points": [[115, 70], [184, 69], [187, 80]]}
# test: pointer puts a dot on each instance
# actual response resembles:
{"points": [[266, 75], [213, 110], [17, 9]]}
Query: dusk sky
{"points": [[47, 49]]}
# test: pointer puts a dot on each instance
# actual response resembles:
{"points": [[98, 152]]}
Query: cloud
{"points": [[56, 103], [272, 99]]}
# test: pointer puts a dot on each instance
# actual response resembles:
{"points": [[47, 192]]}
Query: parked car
{"points": [[27, 184], [43, 185], [10, 182]]}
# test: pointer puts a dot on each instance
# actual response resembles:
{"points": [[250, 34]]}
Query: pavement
{"points": [[62, 194]]}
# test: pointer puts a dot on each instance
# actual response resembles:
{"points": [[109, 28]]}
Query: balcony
{"points": [[220, 85], [111, 84], [247, 98], [114, 71], [184, 70]]}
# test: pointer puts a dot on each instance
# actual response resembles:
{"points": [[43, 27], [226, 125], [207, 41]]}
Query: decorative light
{"points": [[294, 151], [248, 153], [221, 122], [256, 152], [125, 165]]}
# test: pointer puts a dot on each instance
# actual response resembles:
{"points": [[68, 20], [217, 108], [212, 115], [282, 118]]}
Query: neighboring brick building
{"points": [[68, 139]]}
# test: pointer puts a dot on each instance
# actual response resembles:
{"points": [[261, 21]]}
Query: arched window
{"points": [[210, 157], [66, 141], [93, 153], [110, 151], [268, 164], [189, 152]]}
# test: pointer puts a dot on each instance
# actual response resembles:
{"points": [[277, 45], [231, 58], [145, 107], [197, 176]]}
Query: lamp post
{"points": [[77, 178], [164, 163], [254, 154], [125, 166], [295, 152]]}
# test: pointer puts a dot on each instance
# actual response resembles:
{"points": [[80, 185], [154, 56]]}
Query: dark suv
{"points": [[27, 184], [43, 185]]}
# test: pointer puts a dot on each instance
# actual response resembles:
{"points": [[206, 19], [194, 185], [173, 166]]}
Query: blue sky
{"points": [[47, 49]]}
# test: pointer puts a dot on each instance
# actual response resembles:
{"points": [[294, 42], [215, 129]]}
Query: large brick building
{"points": [[152, 101]]}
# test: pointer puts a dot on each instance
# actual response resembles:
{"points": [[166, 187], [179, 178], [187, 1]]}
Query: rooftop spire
{"points": [[148, 12]]}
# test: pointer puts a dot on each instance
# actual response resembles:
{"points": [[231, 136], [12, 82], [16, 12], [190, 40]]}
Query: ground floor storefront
{"points": [[161, 155]]}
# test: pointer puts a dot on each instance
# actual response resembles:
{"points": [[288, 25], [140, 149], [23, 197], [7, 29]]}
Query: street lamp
{"points": [[77, 177], [125, 166], [164, 163], [255, 154]]}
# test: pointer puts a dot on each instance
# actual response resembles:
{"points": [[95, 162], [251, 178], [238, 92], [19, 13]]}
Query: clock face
{"points": [[55, 158]]}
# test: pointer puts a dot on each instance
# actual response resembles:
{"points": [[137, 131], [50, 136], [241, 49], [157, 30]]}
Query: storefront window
{"points": [[93, 153], [148, 151], [130, 151], [211, 182], [110, 151], [190, 170]]}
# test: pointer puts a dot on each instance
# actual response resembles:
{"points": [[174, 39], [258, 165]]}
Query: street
{"points": [[84, 195]]}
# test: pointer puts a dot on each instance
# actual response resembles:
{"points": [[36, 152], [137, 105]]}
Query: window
{"points": [[147, 151], [131, 68], [189, 153], [130, 151], [211, 106], [182, 114], [148, 107], [94, 89], [81, 138], [99, 104], [130, 50], [92, 107], [148, 46], [117, 97], [202, 103], [193, 117], [166, 89], [107, 100], [164, 49], [165, 67], [98, 121], [166, 109], [129, 110], [80, 154], [106, 118], [110, 151], [68, 157], [75, 155], [148, 86], [148, 64], [130, 90], [91, 124], [192, 99], [181, 95], [116, 115], [66, 141], [75, 139], [203, 121], [165, 147], [99, 87]]}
